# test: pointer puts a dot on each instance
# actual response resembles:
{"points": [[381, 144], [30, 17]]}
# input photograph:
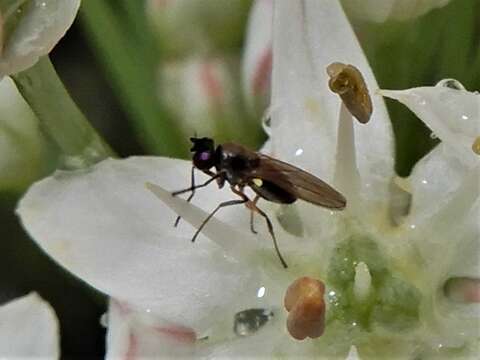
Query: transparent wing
{"points": [[303, 185]]}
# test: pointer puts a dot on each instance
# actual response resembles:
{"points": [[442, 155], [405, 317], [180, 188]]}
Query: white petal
{"points": [[136, 335], [452, 115], [305, 112], [28, 329], [380, 11], [107, 228], [257, 55], [21, 143], [434, 180], [41, 26]]}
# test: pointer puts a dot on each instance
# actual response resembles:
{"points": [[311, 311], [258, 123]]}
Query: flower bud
{"points": [[257, 57], [200, 92], [198, 26], [30, 29]]}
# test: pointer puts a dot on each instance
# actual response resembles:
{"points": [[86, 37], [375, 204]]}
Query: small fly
{"points": [[269, 178]]}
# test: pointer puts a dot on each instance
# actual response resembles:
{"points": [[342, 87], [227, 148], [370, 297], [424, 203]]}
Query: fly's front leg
{"points": [[193, 187]]}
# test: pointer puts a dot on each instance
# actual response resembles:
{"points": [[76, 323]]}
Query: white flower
{"points": [[30, 29], [28, 329], [22, 148], [386, 281], [383, 10], [201, 93], [257, 55]]}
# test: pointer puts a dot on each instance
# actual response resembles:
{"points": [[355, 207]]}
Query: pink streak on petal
{"points": [[471, 291], [122, 307], [178, 333], [210, 83], [132, 347], [261, 78]]}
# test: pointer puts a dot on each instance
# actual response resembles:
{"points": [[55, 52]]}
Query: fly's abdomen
{"points": [[271, 192]]}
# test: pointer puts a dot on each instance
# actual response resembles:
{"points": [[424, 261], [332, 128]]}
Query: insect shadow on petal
{"points": [[269, 178]]}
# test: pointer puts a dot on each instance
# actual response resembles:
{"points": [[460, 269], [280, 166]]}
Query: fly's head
{"points": [[204, 156]]}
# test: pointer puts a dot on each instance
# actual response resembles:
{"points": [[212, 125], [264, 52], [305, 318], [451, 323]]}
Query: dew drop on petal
{"points": [[433, 136], [299, 152], [261, 292], [247, 322], [451, 83]]}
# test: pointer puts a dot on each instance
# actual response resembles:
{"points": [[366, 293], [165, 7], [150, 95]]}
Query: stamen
{"points": [[347, 81], [304, 302], [346, 176]]}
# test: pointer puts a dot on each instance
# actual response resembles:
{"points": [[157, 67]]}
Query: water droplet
{"points": [[148, 310], [43, 5], [465, 117], [299, 152], [289, 219], [413, 226], [451, 83], [354, 323], [261, 292], [424, 182], [248, 321], [433, 136], [104, 320]]}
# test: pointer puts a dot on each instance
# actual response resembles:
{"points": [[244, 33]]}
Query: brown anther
{"points": [[304, 302], [347, 81], [476, 146]]}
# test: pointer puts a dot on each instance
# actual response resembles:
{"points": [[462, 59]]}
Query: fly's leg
{"points": [[253, 207], [252, 212], [221, 205], [193, 187]]}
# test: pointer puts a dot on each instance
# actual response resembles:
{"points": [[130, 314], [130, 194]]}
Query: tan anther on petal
{"points": [[304, 302], [476, 145], [347, 81]]}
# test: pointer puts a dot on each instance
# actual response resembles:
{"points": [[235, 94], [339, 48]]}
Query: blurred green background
{"points": [[119, 67]]}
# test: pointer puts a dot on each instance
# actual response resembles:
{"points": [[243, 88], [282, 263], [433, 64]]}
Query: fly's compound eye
{"points": [[203, 160], [205, 156]]}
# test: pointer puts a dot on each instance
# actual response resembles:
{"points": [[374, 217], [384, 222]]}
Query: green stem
{"points": [[59, 117], [132, 68]]}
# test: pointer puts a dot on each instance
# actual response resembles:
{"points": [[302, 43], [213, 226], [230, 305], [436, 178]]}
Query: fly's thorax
{"points": [[237, 162]]}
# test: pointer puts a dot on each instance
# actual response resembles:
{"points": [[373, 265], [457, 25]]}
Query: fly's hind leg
{"points": [[221, 205], [252, 205]]}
